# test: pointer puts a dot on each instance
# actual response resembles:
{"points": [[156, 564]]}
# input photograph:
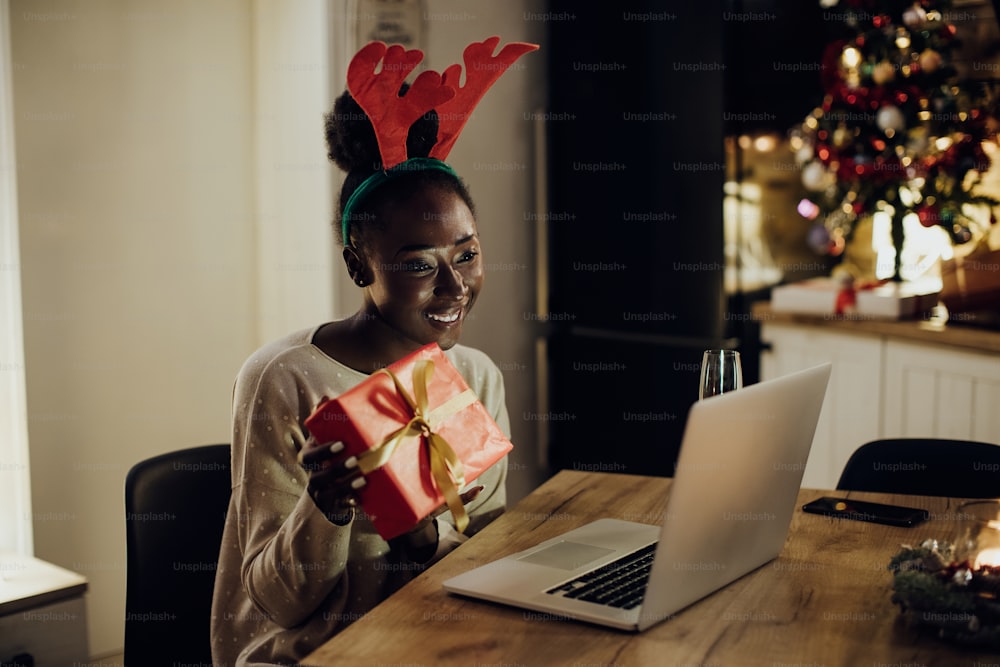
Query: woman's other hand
{"points": [[334, 479], [420, 543]]}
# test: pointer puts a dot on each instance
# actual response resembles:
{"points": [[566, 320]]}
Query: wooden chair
{"points": [[175, 510], [925, 466]]}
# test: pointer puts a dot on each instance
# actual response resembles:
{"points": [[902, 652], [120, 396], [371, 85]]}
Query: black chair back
{"points": [[175, 509], [926, 467]]}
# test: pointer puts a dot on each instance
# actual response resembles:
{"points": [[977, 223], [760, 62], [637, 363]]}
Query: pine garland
{"points": [[951, 598]]}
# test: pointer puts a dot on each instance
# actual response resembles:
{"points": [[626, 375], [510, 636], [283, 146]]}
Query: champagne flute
{"points": [[721, 371]]}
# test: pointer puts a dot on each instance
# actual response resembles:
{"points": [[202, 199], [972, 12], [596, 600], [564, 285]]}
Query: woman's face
{"points": [[425, 270]]}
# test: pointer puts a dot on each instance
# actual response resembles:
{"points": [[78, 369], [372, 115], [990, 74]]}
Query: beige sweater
{"points": [[287, 578]]}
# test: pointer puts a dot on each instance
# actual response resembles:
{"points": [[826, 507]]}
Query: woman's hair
{"points": [[351, 144]]}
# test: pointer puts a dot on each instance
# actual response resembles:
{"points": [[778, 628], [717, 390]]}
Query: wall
{"points": [[293, 178], [172, 206]]}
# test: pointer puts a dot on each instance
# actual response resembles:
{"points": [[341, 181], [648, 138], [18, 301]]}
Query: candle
{"points": [[980, 536], [987, 557]]}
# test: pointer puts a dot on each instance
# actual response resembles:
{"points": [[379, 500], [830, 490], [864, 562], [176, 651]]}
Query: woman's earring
{"points": [[360, 282]]}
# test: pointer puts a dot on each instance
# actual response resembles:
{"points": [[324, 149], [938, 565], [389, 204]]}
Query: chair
{"points": [[925, 466], [175, 509]]}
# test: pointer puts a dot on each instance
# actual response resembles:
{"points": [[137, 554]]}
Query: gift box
{"points": [[876, 299], [813, 296], [972, 283], [898, 301], [419, 433]]}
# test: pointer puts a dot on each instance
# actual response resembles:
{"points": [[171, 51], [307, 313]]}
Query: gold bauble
{"points": [[883, 73], [841, 137], [930, 60]]}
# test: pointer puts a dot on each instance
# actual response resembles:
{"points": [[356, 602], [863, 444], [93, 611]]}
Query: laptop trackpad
{"points": [[566, 555]]}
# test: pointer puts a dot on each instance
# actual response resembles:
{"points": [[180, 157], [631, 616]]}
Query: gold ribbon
{"points": [[446, 468]]}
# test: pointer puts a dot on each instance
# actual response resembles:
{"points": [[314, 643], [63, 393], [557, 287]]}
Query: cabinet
{"points": [[42, 613], [889, 379], [941, 392], [851, 411]]}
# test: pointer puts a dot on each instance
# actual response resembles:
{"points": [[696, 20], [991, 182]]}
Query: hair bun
{"points": [[350, 137]]}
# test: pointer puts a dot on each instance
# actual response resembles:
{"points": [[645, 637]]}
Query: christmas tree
{"points": [[896, 132]]}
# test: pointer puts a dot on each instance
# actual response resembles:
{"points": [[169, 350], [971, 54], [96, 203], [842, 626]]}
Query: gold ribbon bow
{"points": [[446, 468]]}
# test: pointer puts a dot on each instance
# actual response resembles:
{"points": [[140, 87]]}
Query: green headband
{"points": [[379, 177]]}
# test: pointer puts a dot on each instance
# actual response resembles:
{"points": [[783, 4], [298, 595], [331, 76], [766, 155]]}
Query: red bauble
{"points": [[845, 170], [949, 158], [929, 215], [837, 246]]}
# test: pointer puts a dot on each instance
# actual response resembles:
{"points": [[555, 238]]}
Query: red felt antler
{"points": [[378, 94], [482, 69], [392, 115]]}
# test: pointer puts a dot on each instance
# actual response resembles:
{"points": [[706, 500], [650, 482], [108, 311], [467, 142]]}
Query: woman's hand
{"points": [[420, 543], [466, 498], [333, 479]]}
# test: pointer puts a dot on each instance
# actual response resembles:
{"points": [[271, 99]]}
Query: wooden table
{"points": [[826, 600]]}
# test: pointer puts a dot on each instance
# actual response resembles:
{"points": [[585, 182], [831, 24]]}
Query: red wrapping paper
{"points": [[402, 491]]}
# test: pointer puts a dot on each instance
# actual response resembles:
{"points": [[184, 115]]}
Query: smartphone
{"points": [[859, 510]]}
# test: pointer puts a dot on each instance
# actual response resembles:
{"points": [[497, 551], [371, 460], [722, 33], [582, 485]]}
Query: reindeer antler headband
{"points": [[391, 115]]}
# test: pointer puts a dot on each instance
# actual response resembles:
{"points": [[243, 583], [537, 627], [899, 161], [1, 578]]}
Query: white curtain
{"points": [[15, 489]]}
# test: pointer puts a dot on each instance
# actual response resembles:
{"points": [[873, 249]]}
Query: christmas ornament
{"points": [[929, 215], [930, 60], [819, 239], [804, 154], [890, 118], [883, 72], [914, 17], [841, 137], [814, 176], [917, 141]]}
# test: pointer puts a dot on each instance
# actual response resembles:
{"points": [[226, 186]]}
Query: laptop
{"points": [[731, 501]]}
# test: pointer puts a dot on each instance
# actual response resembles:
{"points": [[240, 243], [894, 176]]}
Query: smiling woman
{"points": [[410, 242], [298, 562], [420, 277]]}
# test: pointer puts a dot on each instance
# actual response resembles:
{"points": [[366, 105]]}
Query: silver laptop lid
{"points": [[735, 488]]}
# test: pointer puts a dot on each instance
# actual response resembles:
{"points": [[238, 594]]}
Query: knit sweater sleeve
{"points": [[293, 557]]}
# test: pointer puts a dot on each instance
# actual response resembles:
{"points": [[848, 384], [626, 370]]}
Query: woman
{"points": [[299, 561]]}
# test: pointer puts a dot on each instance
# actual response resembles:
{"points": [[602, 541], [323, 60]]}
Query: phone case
{"points": [[859, 510]]}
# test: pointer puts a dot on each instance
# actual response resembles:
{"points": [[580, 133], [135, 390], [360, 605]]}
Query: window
{"points": [[15, 491]]}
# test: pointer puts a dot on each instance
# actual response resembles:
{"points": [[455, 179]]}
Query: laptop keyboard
{"points": [[620, 583]]}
